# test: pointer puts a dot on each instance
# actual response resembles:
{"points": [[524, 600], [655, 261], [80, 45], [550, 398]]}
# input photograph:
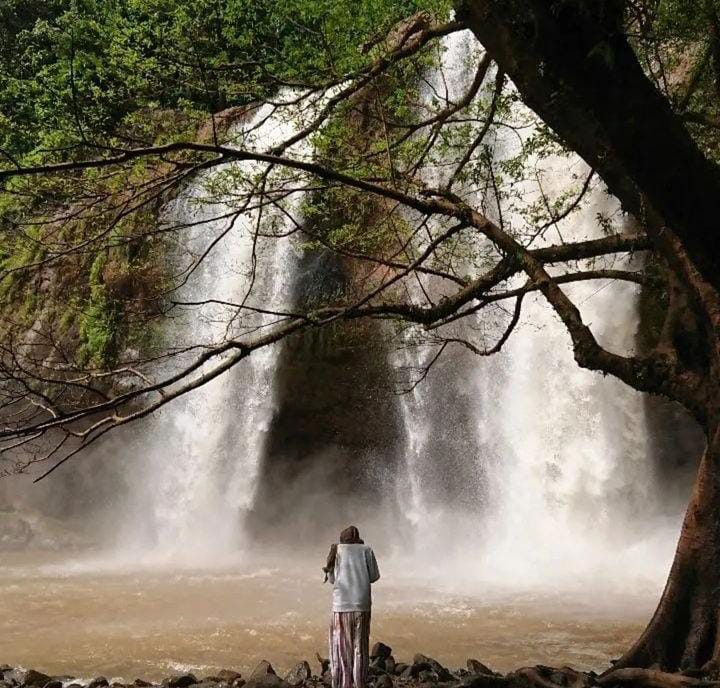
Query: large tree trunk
{"points": [[684, 632]]}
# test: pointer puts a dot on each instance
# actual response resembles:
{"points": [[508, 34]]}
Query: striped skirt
{"points": [[349, 649]]}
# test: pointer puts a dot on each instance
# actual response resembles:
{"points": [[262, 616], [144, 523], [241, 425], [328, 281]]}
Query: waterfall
{"points": [[201, 453], [554, 468], [536, 467]]}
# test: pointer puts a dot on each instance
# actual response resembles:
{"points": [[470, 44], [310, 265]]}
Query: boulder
{"points": [[182, 681], [264, 676], [35, 678], [377, 663], [476, 667], [300, 673], [228, 675], [380, 650], [53, 683], [324, 664], [99, 682], [400, 668], [426, 662], [427, 676]]}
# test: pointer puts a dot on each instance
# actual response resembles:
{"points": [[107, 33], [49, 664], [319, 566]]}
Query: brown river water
{"points": [[78, 617]]}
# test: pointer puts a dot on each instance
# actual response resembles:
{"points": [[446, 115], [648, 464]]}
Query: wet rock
{"points": [[35, 678], [400, 668], [427, 676], [380, 650], [383, 681], [99, 682], [228, 675], [378, 663], [476, 667], [53, 683], [488, 681], [300, 673], [182, 681], [413, 671], [426, 662], [140, 683], [264, 676], [324, 664]]}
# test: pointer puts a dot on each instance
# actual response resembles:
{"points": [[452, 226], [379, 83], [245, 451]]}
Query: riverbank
{"points": [[385, 672]]}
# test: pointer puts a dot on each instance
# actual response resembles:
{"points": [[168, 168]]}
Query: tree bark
{"points": [[684, 632]]}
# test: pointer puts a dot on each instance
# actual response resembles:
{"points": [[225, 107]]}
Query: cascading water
{"points": [[555, 464], [202, 453], [536, 465]]}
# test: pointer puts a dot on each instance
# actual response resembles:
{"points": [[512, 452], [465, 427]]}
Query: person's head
{"points": [[350, 536]]}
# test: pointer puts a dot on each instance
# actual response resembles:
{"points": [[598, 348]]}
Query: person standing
{"points": [[351, 567]]}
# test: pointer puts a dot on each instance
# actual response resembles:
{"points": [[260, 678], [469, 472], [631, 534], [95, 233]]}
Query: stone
{"points": [[324, 664], [380, 650], [390, 664], [5, 684], [53, 683], [76, 685], [228, 675], [264, 676], [182, 681], [559, 678], [35, 678], [426, 662], [377, 663], [300, 673], [476, 667], [427, 676], [384, 681], [99, 682], [5, 667], [140, 683], [400, 668]]}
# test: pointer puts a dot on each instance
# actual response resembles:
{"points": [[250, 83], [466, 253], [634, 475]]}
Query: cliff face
{"points": [[335, 438]]}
